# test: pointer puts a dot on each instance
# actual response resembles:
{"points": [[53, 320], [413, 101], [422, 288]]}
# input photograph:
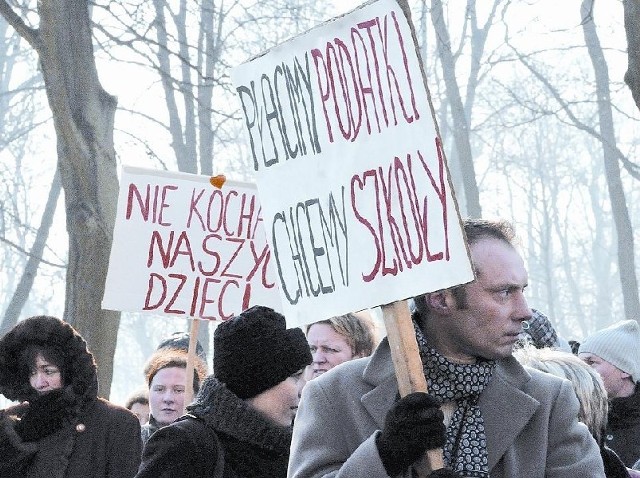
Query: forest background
{"points": [[537, 122]]}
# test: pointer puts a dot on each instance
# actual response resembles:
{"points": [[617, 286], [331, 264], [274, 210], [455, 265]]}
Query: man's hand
{"points": [[413, 425]]}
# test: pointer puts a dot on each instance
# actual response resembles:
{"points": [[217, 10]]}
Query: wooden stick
{"points": [[193, 340], [408, 366]]}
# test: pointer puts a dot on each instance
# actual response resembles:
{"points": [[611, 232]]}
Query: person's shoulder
{"points": [[527, 377], [105, 408], [188, 428], [107, 405], [356, 365], [344, 373], [546, 382]]}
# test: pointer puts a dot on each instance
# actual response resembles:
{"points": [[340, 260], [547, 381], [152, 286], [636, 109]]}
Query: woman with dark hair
{"points": [[61, 429]]}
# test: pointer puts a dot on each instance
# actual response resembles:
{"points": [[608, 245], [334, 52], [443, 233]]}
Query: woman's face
{"points": [[45, 376], [280, 402], [166, 394], [328, 348]]}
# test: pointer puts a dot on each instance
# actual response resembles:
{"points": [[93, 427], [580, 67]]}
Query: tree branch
{"points": [[29, 254], [632, 168], [25, 31]]}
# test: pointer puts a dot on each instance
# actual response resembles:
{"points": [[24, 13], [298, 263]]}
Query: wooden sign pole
{"points": [[408, 366], [193, 340]]}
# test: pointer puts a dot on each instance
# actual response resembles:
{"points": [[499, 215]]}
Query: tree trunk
{"points": [[186, 162], [460, 124], [209, 42], [624, 230], [21, 293], [83, 115], [632, 27]]}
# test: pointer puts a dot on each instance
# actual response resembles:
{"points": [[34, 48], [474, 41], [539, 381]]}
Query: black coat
{"points": [[101, 443], [623, 428], [69, 432], [222, 437], [613, 466]]}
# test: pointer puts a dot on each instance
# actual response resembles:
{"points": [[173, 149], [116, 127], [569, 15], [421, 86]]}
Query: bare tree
{"points": [[22, 118], [83, 115], [604, 133], [21, 292], [459, 116], [632, 28], [622, 221], [189, 47]]}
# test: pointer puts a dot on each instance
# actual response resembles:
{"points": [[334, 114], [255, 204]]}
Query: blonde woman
{"points": [[590, 391]]}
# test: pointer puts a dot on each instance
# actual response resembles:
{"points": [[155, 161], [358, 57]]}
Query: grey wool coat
{"points": [[530, 422]]}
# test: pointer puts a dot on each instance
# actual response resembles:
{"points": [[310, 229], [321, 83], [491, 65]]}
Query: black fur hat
{"points": [[255, 351], [78, 366]]}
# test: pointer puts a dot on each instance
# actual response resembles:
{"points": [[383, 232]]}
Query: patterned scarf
{"points": [[465, 450]]}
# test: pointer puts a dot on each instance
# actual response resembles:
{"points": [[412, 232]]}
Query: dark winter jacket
{"points": [[613, 466], [148, 429], [623, 428], [65, 433], [221, 437]]}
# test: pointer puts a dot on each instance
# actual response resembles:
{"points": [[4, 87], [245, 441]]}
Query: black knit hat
{"points": [[180, 341], [255, 351]]}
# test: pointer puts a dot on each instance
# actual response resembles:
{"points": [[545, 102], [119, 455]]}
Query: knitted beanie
{"points": [[180, 341], [255, 351], [618, 344]]}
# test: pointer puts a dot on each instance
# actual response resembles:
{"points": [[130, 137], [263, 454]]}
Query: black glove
{"points": [[413, 425], [45, 415], [444, 473]]}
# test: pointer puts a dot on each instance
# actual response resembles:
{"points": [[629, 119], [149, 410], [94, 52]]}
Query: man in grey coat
{"points": [[491, 417]]}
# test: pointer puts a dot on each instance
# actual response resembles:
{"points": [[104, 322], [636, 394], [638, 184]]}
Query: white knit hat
{"points": [[618, 344]]}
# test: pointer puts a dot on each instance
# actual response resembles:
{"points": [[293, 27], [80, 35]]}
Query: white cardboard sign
{"points": [[359, 210], [182, 247]]}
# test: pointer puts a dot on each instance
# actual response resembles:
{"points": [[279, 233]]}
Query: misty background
{"points": [[538, 126]]}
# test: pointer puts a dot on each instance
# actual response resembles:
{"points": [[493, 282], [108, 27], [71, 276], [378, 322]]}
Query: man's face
{"points": [[491, 320], [615, 380]]}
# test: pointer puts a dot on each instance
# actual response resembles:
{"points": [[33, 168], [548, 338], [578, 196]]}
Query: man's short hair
{"points": [[475, 230], [180, 341]]}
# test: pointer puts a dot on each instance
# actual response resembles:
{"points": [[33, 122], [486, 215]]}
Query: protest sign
{"points": [[358, 205], [182, 247]]}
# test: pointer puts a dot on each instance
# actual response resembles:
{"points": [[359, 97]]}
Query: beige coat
{"points": [[530, 422]]}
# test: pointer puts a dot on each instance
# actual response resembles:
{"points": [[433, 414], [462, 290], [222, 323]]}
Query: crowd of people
{"points": [[507, 397]]}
